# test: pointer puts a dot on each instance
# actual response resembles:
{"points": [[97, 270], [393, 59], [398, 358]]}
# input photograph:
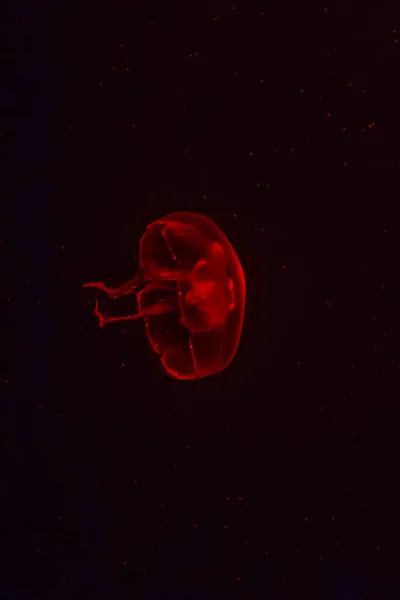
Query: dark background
{"points": [[279, 477]]}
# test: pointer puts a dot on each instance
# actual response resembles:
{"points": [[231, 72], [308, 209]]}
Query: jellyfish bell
{"points": [[190, 292]]}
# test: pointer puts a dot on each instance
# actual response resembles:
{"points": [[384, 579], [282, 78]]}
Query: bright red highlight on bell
{"points": [[191, 293]]}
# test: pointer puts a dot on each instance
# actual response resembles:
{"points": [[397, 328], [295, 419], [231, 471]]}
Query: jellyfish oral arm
{"points": [[132, 286], [126, 288], [154, 310]]}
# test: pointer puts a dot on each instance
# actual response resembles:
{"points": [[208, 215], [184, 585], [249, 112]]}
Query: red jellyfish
{"points": [[191, 293]]}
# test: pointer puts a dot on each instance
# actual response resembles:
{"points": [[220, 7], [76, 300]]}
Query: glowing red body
{"points": [[192, 295]]}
